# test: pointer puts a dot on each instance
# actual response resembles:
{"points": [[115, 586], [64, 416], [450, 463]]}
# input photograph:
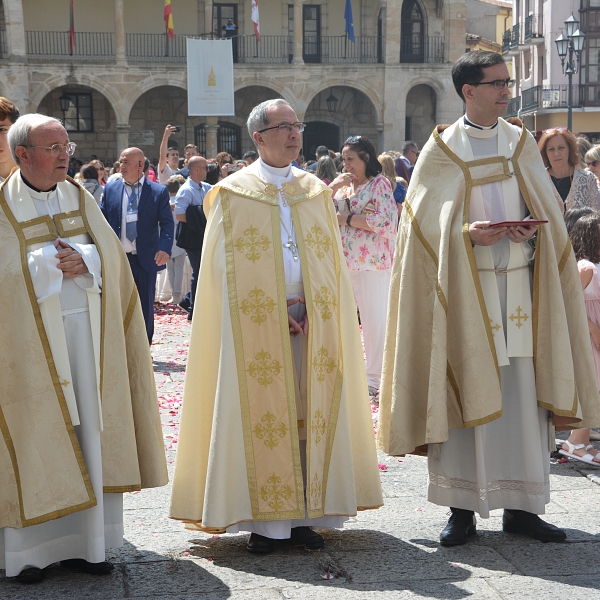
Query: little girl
{"points": [[585, 237]]}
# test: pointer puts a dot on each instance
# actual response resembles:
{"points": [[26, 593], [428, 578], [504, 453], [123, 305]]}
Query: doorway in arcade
{"points": [[319, 133]]}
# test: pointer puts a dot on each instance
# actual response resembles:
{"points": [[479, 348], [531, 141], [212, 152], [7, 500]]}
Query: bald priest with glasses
{"points": [[78, 409], [492, 309], [276, 433]]}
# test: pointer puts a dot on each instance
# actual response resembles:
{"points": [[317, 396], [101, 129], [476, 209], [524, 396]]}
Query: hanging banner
{"points": [[210, 78]]}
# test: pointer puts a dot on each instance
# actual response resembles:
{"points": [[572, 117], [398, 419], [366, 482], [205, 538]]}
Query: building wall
{"points": [[481, 18]]}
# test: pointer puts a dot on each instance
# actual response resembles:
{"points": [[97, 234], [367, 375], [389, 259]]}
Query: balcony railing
{"points": [[54, 45], [3, 44], [533, 27], [514, 104], [422, 49], [552, 96], [506, 37], [339, 49], [514, 37]]}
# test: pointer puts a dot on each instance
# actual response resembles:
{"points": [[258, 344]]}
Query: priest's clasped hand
{"points": [[71, 262], [482, 234], [297, 328]]}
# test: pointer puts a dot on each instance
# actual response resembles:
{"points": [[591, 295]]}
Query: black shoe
{"points": [[31, 575], [190, 315], [78, 564], [305, 536], [259, 544], [525, 523], [185, 303], [461, 526]]}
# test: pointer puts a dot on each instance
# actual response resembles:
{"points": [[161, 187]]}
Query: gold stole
{"points": [[265, 369], [517, 341], [37, 232]]}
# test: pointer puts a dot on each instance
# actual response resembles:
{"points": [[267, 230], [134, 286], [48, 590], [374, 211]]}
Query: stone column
{"points": [[122, 136], [15, 30], [393, 17], [208, 17], [211, 136], [120, 54], [298, 19]]}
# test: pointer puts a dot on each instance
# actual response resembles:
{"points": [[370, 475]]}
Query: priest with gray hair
{"points": [[78, 409]]}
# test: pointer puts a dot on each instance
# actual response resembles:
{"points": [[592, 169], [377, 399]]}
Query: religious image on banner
{"points": [[210, 78]]}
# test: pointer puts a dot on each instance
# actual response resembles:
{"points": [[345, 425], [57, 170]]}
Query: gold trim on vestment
{"points": [[55, 381], [58, 222], [121, 489], [565, 256], [130, 309]]}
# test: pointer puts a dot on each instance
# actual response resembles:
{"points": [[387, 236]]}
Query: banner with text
{"points": [[210, 78]]}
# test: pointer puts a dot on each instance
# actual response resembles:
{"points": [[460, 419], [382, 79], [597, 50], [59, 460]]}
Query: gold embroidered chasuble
{"points": [[450, 376], [245, 397], [42, 471]]}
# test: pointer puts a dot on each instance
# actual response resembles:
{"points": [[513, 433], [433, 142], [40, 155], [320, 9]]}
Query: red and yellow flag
{"points": [[169, 19]]}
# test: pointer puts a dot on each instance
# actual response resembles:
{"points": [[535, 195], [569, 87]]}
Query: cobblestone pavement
{"points": [[389, 553]]}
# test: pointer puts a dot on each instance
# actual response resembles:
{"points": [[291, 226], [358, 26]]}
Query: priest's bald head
{"points": [[40, 146], [276, 132], [132, 164]]}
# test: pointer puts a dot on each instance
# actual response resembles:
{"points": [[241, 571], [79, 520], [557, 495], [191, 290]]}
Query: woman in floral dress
{"points": [[368, 217]]}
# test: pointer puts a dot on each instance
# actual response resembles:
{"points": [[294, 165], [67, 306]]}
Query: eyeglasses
{"points": [[353, 139], [56, 149], [498, 84], [593, 164], [286, 127]]}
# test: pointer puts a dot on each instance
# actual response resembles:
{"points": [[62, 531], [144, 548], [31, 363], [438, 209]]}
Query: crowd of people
{"points": [[466, 264]]}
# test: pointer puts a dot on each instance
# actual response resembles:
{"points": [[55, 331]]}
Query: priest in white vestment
{"points": [[276, 433], [490, 433], [65, 299]]}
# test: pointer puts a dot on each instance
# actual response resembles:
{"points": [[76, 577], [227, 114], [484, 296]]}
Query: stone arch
{"points": [[421, 113], [85, 79], [361, 86], [101, 140], [175, 79]]}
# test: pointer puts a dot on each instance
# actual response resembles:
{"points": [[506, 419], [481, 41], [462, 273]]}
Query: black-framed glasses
{"points": [[57, 149], [593, 164], [353, 139], [286, 127], [498, 84]]}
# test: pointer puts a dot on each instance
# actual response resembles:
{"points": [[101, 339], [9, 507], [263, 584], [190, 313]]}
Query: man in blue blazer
{"points": [[139, 212]]}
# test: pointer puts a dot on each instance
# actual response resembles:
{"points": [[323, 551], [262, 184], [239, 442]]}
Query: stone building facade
{"points": [[124, 84]]}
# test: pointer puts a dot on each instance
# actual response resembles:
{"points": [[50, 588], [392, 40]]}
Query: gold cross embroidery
{"points": [[495, 327], [257, 304], [271, 431], [519, 317], [318, 242], [322, 365], [65, 383], [252, 243], [275, 492], [315, 492], [325, 303], [318, 426], [264, 368]]}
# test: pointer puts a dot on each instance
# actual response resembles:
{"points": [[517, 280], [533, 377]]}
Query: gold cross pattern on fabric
{"points": [[258, 304], [319, 243], [323, 363], [494, 326], [263, 369], [275, 492], [325, 303], [315, 492], [271, 190], [519, 317], [252, 243], [318, 426], [271, 432]]}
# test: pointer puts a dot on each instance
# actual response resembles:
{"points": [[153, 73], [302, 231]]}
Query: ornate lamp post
{"points": [[65, 102], [568, 45]]}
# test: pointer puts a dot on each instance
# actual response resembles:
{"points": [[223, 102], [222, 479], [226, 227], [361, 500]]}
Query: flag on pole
{"points": [[168, 20], [349, 20], [71, 28], [255, 19]]}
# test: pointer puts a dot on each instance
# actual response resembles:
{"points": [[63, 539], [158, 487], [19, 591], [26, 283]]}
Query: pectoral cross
{"points": [[293, 248], [519, 317]]}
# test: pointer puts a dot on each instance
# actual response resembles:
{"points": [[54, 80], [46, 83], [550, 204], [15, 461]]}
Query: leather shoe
{"points": [[461, 526], [184, 303], [259, 544], [525, 523], [78, 564], [31, 575], [305, 536]]}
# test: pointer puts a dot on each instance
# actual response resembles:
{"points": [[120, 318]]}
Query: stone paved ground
{"points": [[390, 553]]}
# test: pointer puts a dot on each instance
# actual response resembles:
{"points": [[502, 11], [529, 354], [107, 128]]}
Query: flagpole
{"points": [[166, 41]]}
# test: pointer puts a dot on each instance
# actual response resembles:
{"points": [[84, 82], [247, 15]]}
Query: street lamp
{"points": [[332, 103], [573, 42], [65, 102]]}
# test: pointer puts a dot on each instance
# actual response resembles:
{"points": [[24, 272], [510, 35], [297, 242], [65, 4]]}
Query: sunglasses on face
{"points": [[593, 164]]}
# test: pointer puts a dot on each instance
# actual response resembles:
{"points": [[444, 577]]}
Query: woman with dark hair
{"points": [[575, 186], [213, 173], [368, 219]]}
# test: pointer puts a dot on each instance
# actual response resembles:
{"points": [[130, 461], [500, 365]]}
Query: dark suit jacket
{"points": [[155, 227]]}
